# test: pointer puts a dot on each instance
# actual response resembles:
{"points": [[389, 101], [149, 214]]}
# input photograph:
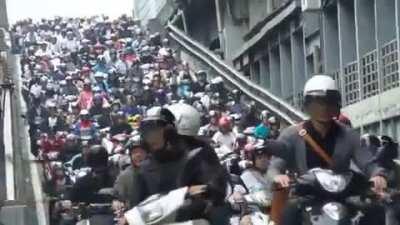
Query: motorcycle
{"points": [[50, 148], [67, 212], [74, 170], [161, 209], [231, 162], [328, 198]]}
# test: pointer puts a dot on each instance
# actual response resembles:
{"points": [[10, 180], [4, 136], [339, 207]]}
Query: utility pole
{"points": [[134, 10]]}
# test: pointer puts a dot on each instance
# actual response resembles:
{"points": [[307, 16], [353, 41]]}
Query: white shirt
{"points": [[225, 140], [36, 90]]}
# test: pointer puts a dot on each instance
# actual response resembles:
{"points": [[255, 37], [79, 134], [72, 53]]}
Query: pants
{"points": [[292, 214]]}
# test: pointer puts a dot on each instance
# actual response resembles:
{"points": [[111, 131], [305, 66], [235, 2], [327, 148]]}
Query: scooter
{"points": [[86, 214], [328, 198], [161, 209], [74, 170]]}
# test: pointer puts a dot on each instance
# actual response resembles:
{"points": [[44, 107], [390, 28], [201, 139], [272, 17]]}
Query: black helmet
{"points": [[157, 117], [269, 147], [97, 157], [133, 143]]}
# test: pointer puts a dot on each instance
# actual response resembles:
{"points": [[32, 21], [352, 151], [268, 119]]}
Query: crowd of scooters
{"points": [[95, 87]]}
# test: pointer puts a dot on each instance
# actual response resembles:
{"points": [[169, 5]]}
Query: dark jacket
{"points": [[292, 155], [197, 165], [59, 126], [86, 188], [120, 128]]}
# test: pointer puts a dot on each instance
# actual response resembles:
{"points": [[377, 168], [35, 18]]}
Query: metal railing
{"points": [[276, 105]]}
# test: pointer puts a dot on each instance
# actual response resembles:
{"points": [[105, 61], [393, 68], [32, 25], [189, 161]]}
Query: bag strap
{"points": [[315, 147]]}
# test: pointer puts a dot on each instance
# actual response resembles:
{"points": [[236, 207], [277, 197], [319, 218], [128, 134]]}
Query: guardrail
{"points": [[279, 107], [7, 122]]}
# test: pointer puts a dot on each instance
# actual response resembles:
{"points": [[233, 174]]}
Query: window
{"points": [[390, 65], [351, 86], [369, 74]]}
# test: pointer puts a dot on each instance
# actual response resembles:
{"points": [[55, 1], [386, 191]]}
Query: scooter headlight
{"points": [[332, 182]]}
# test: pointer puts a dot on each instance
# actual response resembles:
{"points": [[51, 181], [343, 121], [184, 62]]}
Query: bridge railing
{"points": [[276, 105]]}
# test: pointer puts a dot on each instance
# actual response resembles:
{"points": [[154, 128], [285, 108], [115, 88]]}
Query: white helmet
{"points": [[322, 86], [264, 114], [318, 85], [187, 119]]}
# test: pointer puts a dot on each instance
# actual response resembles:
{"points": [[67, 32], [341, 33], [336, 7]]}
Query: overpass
{"points": [[202, 58]]}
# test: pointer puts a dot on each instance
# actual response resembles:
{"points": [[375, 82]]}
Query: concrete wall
{"points": [[148, 9], [233, 34], [257, 11], [201, 20], [369, 112]]}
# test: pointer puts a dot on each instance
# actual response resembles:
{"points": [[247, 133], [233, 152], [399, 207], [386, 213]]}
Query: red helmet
{"points": [[224, 122]]}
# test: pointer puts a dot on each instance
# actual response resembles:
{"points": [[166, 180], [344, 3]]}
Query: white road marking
{"points": [[8, 146]]}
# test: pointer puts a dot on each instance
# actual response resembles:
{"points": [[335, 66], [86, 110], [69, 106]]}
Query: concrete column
{"points": [[298, 63], [220, 25], [3, 14], [347, 38], [365, 39], [397, 21], [385, 33], [274, 62], [286, 73], [264, 72], [330, 40]]}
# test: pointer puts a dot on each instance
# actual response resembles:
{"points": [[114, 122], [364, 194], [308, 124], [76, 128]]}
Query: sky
{"points": [[36, 9]]}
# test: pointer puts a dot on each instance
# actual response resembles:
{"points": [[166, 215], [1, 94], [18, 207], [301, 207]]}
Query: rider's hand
{"points": [[118, 207], [380, 184], [123, 221], [246, 220], [282, 180], [197, 190], [238, 197]]}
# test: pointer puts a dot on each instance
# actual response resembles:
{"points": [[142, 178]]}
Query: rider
{"points": [[178, 159], [85, 129], [263, 130], [70, 88], [120, 125], [275, 126], [212, 127], [124, 185], [86, 188], [86, 96], [254, 178], [250, 117], [225, 137], [322, 101]]}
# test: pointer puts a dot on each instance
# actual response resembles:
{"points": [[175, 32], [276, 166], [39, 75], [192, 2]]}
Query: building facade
{"points": [[279, 44]]}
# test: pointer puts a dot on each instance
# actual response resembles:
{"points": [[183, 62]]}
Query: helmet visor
{"points": [[147, 127], [329, 97]]}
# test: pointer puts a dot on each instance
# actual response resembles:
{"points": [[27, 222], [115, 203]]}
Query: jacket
{"points": [[124, 186], [197, 165], [292, 154]]}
